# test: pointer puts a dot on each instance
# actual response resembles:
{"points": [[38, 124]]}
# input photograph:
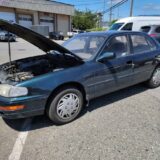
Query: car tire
{"points": [[65, 105], [154, 81]]}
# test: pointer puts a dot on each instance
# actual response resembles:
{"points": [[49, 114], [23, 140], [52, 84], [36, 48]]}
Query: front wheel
{"points": [[65, 105], [154, 82]]}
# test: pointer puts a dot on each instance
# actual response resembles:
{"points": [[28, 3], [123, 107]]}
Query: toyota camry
{"points": [[63, 80]]}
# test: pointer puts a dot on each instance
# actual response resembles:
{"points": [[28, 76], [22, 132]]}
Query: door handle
{"points": [[130, 63]]}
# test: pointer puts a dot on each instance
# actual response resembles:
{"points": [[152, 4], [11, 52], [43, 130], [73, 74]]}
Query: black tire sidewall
{"points": [[52, 109], [151, 83]]}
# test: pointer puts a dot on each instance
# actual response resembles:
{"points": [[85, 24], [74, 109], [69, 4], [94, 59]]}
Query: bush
{"points": [[96, 29]]}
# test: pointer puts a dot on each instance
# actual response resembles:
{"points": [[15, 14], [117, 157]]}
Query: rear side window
{"points": [[145, 29], [128, 27], [158, 30], [140, 44]]}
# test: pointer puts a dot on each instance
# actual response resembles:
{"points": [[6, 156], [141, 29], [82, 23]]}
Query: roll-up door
{"points": [[25, 20]]}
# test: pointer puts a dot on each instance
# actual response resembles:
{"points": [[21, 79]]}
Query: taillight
{"points": [[153, 35]]}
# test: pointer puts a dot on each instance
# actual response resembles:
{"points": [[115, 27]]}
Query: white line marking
{"points": [[20, 141]]}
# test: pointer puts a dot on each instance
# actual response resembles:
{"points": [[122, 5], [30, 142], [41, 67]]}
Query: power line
{"points": [[115, 6], [84, 3], [91, 3]]}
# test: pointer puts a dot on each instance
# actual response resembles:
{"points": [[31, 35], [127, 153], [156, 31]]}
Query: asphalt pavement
{"points": [[124, 125]]}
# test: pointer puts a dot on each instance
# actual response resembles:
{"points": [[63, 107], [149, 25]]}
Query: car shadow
{"points": [[39, 122]]}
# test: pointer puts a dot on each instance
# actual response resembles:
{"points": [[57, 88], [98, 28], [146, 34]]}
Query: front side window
{"points": [[128, 27], [117, 45], [140, 44], [85, 46], [145, 29]]}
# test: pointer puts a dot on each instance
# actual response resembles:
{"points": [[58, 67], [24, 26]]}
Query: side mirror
{"points": [[106, 56]]}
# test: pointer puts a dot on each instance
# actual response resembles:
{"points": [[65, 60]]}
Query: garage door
{"points": [[47, 21], [7, 16], [63, 23], [25, 20]]}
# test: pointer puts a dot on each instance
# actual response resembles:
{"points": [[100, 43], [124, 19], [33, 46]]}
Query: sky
{"points": [[141, 7]]}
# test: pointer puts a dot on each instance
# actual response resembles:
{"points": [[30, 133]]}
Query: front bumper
{"points": [[34, 105]]}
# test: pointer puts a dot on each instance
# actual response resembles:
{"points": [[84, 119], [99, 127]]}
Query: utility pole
{"points": [[110, 18], [131, 8]]}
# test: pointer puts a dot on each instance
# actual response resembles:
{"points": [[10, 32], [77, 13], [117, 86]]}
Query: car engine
{"points": [[13, 73], [24, 69], [28, 68]]}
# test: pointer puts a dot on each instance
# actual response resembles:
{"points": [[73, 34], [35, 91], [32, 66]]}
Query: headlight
{"points": [[12, 91]]}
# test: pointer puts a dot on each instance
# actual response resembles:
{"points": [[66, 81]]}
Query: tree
{"points": [[84, 20], [112, 22]]}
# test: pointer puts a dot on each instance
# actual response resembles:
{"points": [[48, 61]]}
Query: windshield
{"points": [[84, 46], [116, 26]]}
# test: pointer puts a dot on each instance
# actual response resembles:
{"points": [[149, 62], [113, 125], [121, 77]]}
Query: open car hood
{"points": [[34, 38]]}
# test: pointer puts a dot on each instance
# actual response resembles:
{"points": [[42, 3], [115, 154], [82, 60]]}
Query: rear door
{"points": [[144, 51], [157, 33]]}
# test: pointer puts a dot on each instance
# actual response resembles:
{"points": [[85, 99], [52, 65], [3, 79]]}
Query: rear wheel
{"points": [[65, 105], [154, 82]]}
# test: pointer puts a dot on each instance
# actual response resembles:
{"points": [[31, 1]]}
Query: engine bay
{"points": [[28, 68]]}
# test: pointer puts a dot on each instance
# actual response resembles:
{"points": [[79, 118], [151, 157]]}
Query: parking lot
{"points": [[124, 125]]}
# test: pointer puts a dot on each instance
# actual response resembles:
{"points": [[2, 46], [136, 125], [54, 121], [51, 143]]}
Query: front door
{"points": [[116, 73]]}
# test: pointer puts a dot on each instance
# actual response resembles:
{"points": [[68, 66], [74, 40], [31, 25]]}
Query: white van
{"points": [[135, 23]]}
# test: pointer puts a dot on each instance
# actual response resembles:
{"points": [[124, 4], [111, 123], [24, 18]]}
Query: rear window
{"points": [[158, 30], [145, 29], [116, 26]]}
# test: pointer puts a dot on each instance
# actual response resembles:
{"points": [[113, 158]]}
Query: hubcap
{"points": [[156, 76], [68, 106]]}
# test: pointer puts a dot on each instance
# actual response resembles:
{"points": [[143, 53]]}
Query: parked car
{"points": [[5, 36], [135, 23], [74, 32], [152, 30], [56, 35], [87, 66]]}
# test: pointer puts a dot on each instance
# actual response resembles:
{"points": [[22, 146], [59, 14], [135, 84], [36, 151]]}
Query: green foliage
{"points": [[84, 20], [96, 29], [112, 22]]}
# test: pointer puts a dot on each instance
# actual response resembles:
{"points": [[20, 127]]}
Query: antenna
{"points": [[9, 49]]}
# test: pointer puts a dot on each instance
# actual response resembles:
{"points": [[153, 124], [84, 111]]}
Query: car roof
{"points": [[109, 33], [137, 18]]}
